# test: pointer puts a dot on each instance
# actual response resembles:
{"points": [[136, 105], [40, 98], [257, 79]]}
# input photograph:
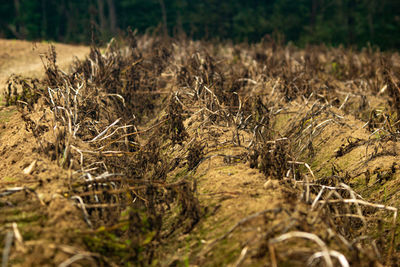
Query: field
{"points": [[180, 153]]}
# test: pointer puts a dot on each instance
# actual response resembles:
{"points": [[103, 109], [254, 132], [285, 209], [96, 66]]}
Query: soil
{"points": [[22, 57], [245, 207], [45, 219]]}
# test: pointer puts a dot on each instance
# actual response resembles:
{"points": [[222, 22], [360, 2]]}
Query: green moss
{"points": [[107, 244], [119, 243], [16, 261], [6, 114], [9, 179], [29, 235], [24, 217], [231, 169], [226, 252], [179, 175]]}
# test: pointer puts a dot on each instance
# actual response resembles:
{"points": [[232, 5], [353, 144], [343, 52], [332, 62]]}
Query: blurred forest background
{"points": [[350, 22]]}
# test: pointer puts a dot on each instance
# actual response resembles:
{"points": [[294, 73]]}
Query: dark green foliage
{"points": [[304, 22]]}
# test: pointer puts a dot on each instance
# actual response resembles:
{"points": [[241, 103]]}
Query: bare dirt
{"points": [[240, 156], [43, 217], [22, 57]]}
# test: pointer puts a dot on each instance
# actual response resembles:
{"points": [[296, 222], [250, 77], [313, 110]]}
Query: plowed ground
{"points": [[271, 209]]}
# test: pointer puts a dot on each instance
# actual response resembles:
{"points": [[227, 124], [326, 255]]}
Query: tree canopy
{"points": [[333, 22]]}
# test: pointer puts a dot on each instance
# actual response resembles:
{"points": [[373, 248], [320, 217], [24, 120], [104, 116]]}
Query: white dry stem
{"points": [[90, 178], [342, 259], [22, 102], [116, 130], [73, 259], [383, 89], [305, 164], [378, 206], [67, 91], [18, 237], [80, 153], [82, 206], [353, 196], [242, 256], [247, 80], [331, 187], [375, 132], [297, 234], [274, 87], [102, 176], [10, 191], [17, 234], [330, 194], [76, 128], [317, 198], [75, 110], [212, 93], [95, 163], [28, 170], [365, 125], [118, 96], [344, 102], [362, 202], [239, 111], [321, 124], [51, 96], [104, 131], [179, 101]]}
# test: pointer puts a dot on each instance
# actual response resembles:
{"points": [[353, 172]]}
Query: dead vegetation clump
{"points": [[86, 122], [133, 153], [343, 225]]}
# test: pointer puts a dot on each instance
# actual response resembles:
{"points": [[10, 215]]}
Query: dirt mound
{"points": [[173, 152], [32, 185]]}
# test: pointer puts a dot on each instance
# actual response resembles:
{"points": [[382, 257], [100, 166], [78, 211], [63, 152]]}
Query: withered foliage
{"points": [[274, 159], [195, 155], [110, 121], [21, 91], [89, 123], [174, 123]]}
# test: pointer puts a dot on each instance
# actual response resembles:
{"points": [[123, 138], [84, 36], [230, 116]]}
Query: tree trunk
{"points": [[112, 16], [44, 20], [102, 18], [371, 9], [18, 32], [351, 5], [313, 15], [164, 15]]}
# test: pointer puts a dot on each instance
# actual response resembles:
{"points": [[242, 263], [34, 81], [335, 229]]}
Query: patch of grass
{"points": [[29, 235], [9, 179], [6, 114], [25, 217], [179, 175], [225, 253]]}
